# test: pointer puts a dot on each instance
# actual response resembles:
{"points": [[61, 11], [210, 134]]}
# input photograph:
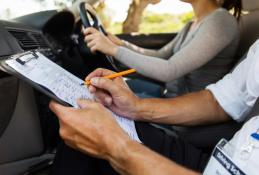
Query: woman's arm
{"points": [[165, 52], [212, 37]]}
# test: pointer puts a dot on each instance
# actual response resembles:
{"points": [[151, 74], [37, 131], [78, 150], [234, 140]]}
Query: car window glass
{"points": [[158, 16], [164, 16], [14, 8]]}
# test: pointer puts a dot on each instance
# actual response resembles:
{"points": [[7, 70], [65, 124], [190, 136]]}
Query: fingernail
{"points": [[108, 100], [94, 81]]}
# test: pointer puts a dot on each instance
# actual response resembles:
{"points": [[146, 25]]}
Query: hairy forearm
{"points": [[133, 158], [191, 109]]}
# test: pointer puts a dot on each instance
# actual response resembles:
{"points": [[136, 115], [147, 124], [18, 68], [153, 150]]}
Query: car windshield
{"points": [[159, 16]]}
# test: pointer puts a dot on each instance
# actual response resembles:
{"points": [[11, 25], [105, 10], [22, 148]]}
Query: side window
{"points": [[144, 16]]}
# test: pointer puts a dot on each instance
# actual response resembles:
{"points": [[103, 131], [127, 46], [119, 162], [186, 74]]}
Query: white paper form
{"points": [[63, 84]]}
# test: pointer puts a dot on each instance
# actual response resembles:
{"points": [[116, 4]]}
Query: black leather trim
{"points": [[206, 137], [8, 96]]}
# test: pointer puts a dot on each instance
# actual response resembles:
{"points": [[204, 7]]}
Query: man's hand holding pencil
{"points": [[113, 92], [113, 75]]}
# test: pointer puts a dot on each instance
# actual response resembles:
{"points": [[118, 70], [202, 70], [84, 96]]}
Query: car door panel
{"points": [[22, 137], [8, 96]]}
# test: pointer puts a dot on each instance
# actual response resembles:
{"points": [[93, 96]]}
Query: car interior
{"points": [[29, 130]]}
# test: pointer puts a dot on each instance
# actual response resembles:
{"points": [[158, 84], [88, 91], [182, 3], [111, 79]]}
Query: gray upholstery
{"points": [[21, 166], [250, 5], [249, 25], [8, 98], [22, 137]]}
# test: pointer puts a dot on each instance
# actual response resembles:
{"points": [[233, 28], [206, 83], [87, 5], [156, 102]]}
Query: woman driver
{"points": [[201, 53]]}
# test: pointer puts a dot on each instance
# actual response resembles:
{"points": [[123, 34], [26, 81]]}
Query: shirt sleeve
{"points": [[237, 92], [252, 82], [230, 98]]}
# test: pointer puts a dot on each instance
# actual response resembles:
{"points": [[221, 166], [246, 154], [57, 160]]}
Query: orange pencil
{"points": [[115, 75]]}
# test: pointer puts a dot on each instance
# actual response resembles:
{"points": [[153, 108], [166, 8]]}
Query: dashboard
{"points": [[47, 31]]}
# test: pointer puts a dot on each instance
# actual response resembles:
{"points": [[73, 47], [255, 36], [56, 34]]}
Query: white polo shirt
{"points": [[237, 93]]}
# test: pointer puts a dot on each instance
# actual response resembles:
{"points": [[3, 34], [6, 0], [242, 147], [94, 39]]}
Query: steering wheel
{"points": [[89, 18]]}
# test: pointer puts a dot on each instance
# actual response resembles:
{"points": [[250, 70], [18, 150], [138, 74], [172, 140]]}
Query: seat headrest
{"points": [[250, 5]]}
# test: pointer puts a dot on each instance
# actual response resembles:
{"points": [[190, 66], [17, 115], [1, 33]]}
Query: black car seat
{"points": [[205, 137]]}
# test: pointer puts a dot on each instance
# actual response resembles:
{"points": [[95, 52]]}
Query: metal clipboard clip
{"points": [[26, 57]]}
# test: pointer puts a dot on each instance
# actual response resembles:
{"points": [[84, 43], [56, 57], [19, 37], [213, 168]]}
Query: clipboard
{"points": [[7, 69], [55, 82]]}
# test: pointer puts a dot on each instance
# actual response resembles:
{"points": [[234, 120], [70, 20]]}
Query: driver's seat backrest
{"points": [[249, 25]]}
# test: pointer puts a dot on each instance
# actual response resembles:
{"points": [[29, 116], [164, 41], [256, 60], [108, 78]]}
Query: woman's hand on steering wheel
{"points": [[97, 41]]}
